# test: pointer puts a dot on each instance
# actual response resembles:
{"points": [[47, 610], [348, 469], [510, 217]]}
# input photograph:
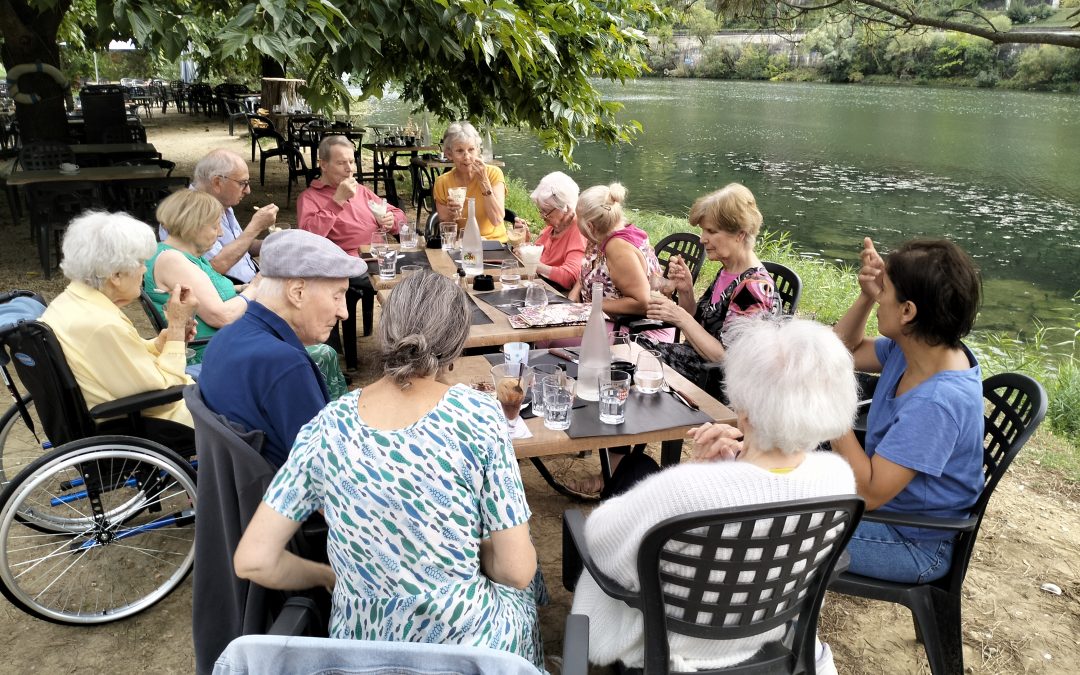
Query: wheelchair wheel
{"points": [[97, 530], [18, 444]]}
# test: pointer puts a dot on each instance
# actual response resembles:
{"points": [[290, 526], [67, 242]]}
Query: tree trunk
{"points": [[30, 36]]}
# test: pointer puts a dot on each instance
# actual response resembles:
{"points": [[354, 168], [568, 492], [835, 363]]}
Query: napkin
{"points": [[518, 428]]}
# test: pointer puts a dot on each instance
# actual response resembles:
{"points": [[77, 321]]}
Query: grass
{"points": [[1050, 355]]}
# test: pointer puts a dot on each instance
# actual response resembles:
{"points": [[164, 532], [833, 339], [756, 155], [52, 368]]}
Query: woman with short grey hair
{"points": [[104, 257], [556, 196], [448, 557], [481, 182], [792, 387]]}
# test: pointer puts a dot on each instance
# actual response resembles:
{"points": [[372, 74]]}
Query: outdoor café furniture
{"points": [[384, 162], [105, 154], [1015, 405], [260, 127]]}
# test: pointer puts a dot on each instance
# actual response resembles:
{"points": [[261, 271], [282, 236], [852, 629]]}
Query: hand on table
{"points": [[716, 442], [871, 274], [345, 190]]}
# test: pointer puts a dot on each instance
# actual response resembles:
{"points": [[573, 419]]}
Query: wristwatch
{"points": [[486, 193]]}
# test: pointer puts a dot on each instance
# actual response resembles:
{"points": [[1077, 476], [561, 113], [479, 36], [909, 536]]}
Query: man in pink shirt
{"points": [[336, 207]]}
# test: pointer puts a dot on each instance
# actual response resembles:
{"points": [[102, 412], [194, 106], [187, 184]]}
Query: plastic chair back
{"points": [[788, 285], [45, 155], [685, 244], [736, 572]]}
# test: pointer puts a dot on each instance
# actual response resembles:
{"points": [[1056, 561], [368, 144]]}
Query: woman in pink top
{"points": [[564, 246]]}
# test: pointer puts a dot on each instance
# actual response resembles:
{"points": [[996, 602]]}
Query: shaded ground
{"points": [[1010, 625]]}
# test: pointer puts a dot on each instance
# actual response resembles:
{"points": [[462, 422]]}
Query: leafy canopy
{"points": [[500, 62]]}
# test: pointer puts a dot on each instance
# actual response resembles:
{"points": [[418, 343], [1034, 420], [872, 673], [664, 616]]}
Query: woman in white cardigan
{"points": [[792, 386]]}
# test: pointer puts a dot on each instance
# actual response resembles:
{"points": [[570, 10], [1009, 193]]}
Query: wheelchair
{"points": [[102, 526]]}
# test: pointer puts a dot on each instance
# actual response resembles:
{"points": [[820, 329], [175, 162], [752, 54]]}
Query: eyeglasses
{"points": [[244, 184]]}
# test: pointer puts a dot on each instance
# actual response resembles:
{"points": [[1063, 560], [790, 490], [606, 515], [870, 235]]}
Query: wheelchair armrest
{"points": [[576, 645], [137, 402], [915, 520], [576, 556], [296, 615]]}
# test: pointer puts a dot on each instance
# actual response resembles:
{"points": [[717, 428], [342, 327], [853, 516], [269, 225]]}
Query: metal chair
{"points": [[1015, 406], [788, 285], [728, 574], [105, 496]]}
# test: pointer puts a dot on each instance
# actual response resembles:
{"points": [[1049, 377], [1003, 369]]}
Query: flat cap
{"points": [[299, 254]]}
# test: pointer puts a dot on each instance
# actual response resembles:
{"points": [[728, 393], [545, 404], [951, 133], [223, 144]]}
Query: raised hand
{"points": [[263, 218], [872, 270], [345, 190], [679, 274], [181, 305]]}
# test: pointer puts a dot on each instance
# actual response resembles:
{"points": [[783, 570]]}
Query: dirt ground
{"points": [[1029, 536]]}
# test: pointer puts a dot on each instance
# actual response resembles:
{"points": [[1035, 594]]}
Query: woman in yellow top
{"points": [[462, 144]]}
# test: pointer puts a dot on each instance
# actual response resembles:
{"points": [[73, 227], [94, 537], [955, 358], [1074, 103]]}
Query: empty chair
{"points": [[788, 285], [45, 155], [260, 127], [298, 168], [141, 196], [124, 133], [52, 206], [234, 110]]}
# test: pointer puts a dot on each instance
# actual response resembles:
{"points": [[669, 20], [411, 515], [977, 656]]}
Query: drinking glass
{"points": [[542, 371], [448, 232], [409, 270], [530, 257], [516, 234], [378, 209], [649, 376], [511, 381], [620, 346], [558, 401], [379, 244], [536, 296], [516, 352], [388, 264], [510, 274], [614, 390], [407, 237]]}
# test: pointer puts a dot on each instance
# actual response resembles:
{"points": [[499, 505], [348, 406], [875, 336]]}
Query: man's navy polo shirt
{"points": [[258, 374]]}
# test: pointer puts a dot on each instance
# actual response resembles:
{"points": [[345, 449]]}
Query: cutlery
{"points": [[681, 397], [563, 354]]}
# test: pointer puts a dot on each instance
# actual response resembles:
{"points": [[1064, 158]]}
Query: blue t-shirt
{"points": [[935, 429], [257, 374]]}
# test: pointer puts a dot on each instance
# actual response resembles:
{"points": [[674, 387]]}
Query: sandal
{"points": [[590, 486]]}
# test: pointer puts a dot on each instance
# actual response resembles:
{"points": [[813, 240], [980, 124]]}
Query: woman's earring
{"points": [[450, 367]]}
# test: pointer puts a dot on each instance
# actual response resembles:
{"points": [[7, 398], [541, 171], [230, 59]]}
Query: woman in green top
{"points": [[193, 221]]}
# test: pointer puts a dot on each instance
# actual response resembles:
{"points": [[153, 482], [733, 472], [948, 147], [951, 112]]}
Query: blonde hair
{"points": [[600, 208], [732, 209], [185, 211]]}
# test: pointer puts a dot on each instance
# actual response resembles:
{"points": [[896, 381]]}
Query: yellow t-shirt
{"points": [[488, 230]]}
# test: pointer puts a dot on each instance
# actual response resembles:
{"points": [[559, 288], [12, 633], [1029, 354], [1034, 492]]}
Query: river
{"points": [[996, 171]]}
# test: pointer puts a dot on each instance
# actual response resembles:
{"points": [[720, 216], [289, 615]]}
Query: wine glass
{"points": [[516, 234], [649, 374]]}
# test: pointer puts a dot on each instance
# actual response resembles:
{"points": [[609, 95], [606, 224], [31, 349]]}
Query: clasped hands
{"points": [[716, 442], [661, 306]]}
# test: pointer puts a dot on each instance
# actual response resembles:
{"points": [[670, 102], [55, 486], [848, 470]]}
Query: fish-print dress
{"points": [[406, 511]]}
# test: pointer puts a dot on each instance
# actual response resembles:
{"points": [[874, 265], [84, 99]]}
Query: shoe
{"points": [[823, 663], [590, 486]]}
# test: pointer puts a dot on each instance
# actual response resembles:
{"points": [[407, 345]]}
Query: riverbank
{"points": [[1010, 625]]}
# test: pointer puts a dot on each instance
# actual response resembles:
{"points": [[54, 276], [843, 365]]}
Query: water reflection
{"points": [[997, 171]]}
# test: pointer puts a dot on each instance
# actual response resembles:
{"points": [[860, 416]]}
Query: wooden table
{"points": [[494, 334], [545, 442], [94, 174]]}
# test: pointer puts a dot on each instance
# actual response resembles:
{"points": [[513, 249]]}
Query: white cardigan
{"points": [[614, 532]]}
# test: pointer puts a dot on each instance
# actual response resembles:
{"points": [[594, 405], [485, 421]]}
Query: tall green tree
{"points": [[962, 16], [501, 62]]}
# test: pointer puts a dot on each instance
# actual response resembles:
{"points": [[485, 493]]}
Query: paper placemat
{"points": [[562, 314], [512, 300]]}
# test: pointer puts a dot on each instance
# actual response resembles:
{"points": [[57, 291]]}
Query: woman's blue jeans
{"points": [[878, 550]]}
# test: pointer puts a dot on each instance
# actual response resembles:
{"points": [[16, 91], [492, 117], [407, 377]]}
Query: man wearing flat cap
{"points": [[255, 371]]}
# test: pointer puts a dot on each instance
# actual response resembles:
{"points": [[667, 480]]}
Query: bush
{"points": [[718, 62], [752, 63], [778, 65], [986, 79]]}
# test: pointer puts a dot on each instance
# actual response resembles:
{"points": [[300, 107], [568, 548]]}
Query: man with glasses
{"points": [[224, 175]]}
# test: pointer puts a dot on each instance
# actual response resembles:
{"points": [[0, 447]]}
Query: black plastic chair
{"points": [[52, 206], [423, 186], [1015, 406], [234, 110], [687, 245], [45, 155], [766, 565], [124, 133], [140, 196], [108, 492], [158, 321], [260, 127], [298, 168], [788, 285]]}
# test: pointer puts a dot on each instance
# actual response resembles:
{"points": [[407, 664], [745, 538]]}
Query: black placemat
{"points": [[490, 256], [411, 258], [479, 317], [538, 357], [510, 301], [644, 413]]}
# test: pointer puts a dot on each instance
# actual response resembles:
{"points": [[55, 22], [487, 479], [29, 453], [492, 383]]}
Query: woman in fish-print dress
{"points": [[428, 524]]}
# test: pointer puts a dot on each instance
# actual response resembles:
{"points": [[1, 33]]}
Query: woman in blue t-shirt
{"points": [[924, 432]]}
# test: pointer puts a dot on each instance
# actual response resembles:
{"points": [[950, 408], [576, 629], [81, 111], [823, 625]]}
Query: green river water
{"points": [[996, 171]]}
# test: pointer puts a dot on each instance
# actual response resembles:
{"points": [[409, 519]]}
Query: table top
{"points": [[378, 147], [94, 174], [113, 148], [493, 334], [544, 441]]}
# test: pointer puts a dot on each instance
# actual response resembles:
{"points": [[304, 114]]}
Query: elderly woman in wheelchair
{"points": [[792, 387], [102, 526]]}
